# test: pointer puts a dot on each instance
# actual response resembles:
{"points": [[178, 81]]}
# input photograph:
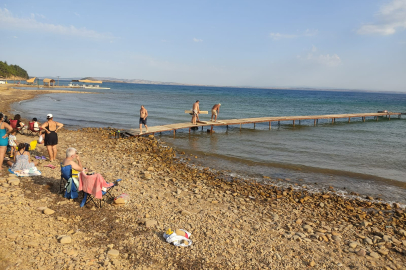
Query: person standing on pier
{"points": [[215, 111], [195, 112], [143, 118]]}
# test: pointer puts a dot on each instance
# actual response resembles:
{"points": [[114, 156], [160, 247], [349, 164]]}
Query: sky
{"points": [[342, 44]]}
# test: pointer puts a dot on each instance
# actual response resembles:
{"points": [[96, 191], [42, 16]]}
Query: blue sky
{"points": [[324, 44]]}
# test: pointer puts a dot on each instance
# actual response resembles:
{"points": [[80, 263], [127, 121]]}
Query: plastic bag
{"points": [[40, 139], [177, 240], [122, 199]]}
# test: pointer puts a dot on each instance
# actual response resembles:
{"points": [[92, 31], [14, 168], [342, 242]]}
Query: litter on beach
{"points": [[179, 237]]}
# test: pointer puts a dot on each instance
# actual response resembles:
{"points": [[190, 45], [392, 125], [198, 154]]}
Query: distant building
{"points": [[31, 81], [49, 82], [2, 82]]}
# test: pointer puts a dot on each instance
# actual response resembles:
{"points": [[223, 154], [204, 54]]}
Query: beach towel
{"points": [[93, 184], [29, 172], [71, 191]]}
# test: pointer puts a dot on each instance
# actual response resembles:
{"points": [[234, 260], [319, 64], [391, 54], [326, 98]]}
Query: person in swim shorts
{"points": [[195, 112], [215, 111], [143, 118]]}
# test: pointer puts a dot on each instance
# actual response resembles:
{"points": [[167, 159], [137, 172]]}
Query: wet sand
{"points": [[235, 224]]}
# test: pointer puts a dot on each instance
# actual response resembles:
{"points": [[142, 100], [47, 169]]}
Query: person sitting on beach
{"points": [[50, 128], [71, 155], [215, 111], [36, 124], [143, 118], [195, 112], [22, 159], [12, 141], [20, 125]]}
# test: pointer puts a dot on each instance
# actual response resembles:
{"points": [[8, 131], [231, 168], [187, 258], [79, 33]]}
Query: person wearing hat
{"points": [[50, 128], [215, 111]]}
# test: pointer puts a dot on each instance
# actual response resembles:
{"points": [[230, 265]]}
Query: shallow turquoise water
{"points": [[363, 157]]}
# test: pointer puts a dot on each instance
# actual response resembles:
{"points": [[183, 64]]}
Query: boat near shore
{"points": [[88, 84]]}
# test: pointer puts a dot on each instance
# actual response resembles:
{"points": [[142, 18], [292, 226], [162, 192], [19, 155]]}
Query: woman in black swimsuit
{"points": [[50, 128]]}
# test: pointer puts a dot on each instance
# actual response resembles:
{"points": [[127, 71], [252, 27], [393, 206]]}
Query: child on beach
{"points": [[36, 124], [12, 141]]}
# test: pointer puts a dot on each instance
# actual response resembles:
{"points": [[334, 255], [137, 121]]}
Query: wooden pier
{"points": [[244, 121]]}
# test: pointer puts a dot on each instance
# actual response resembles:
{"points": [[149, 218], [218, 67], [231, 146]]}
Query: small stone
{"points": [[12, 236], [321, 204], [299, 221], [308, 228], [312, 263], [14, 181], [110, 246], [361, 253], [150, 223], [365, 223], [368, 241], [374, 255], [353, 245], [48, 211], [113, 253], [275, 217], [147, 216], [65, 240], [383, 251], [185, 213], [150, 169]]}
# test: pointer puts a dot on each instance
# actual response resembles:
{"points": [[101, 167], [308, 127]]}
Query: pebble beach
{"points": [[235, 223]]}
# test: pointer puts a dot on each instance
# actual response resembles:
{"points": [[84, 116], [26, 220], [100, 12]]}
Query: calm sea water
{"points": [[367, 158]]}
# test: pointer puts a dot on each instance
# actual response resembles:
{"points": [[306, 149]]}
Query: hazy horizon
{"points": [[354, 45]]}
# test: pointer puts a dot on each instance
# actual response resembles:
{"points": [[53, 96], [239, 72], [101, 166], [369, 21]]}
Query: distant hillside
{"points": [[137, 81], [12, 71]]}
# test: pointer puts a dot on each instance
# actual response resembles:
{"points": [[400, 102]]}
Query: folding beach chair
{"points": [[13, 124], [106, 195], [66, 174], [31, 129]]}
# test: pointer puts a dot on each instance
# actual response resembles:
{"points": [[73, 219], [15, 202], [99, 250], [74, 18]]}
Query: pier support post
{"points": [[349, 119], [314, 122], [377, 118], [211, 129], [299, 122], [189, 130], [389, 116], [240, 126], [174, 132], [279, 123], [293, 122], [227, 126], [269, 125], [254, 125]]}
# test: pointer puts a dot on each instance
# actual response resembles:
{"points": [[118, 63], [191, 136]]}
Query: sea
{"points": [[367, 158]]}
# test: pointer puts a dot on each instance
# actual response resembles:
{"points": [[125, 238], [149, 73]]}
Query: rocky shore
{"points": [[235, 223]]}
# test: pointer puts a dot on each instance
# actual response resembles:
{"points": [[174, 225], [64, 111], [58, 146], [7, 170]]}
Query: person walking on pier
{"points": [[143, 118], [215, 111], [195, 112]]}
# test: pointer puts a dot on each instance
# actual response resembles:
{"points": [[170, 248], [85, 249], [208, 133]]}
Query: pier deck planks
{"points": [[242, 121]]}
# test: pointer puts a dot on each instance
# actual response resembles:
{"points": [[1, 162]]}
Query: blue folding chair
{"points": [[66, 175]]}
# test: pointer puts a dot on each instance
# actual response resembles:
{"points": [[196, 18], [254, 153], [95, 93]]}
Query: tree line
{"points": [[8, 71]]}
